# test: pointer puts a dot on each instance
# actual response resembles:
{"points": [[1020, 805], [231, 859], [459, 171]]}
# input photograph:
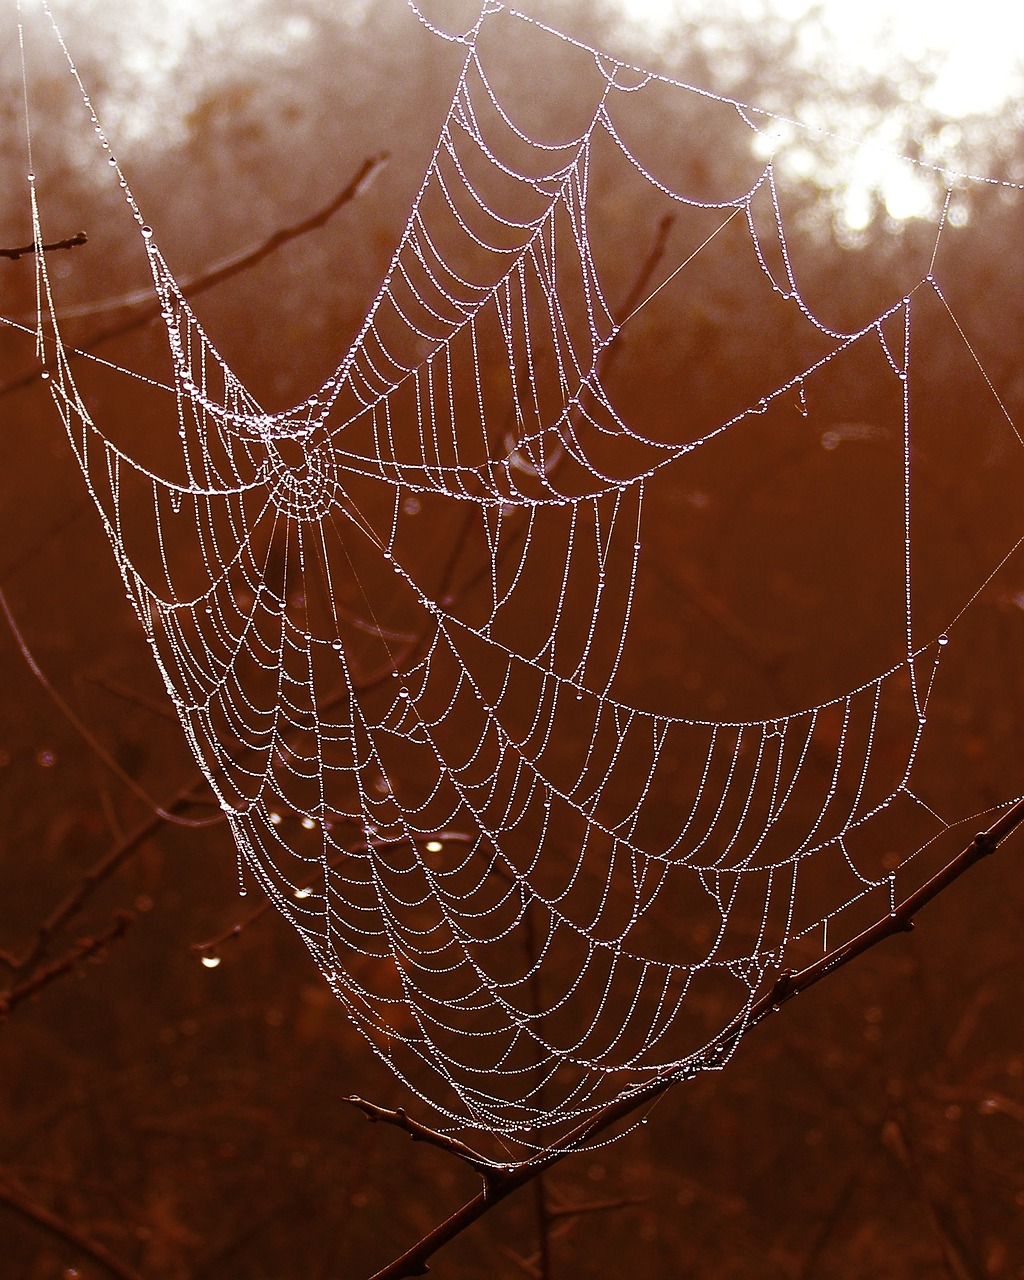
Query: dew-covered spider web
{"points": [[411, 625]]}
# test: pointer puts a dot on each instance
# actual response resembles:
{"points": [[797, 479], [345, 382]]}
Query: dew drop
{"points": [[147, 232], [210, 962], [943, 640], [434, 846]]}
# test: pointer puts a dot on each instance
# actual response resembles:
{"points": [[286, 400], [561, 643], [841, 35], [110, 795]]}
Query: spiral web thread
{"points": [[432, 772]]}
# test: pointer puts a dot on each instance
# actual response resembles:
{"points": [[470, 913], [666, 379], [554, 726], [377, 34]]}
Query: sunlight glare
{"points": [[976, 49]]}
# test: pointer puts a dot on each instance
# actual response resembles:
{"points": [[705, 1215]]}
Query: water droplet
{"points": [[943, 640], [45, 375], [31, 177], [403, 693], [308, 824], [434, 846], [210, 962], [303, 893], [112, 162], [275, 819], [147, 232]]}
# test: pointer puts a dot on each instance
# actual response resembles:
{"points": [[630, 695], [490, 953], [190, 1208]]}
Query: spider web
{"points": [[397, 621]]}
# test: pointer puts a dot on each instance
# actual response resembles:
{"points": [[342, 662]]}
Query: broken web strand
{"points": [[495, 779]]}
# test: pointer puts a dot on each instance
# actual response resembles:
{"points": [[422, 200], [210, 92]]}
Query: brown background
{"points": [[192, 1120]]}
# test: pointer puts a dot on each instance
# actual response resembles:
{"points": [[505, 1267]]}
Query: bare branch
{"points": [[525, 1265], [73, 902], [422, 1133], [17, 1199], [84, 950], [897, 1140], [508, 1179], [72, 242], [355, 187], [595, 1206]]}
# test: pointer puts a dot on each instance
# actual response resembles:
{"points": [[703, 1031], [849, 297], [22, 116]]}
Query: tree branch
{"points": [[505, 1180], [422, 1133], [72, 242], [73, 902], [355, 187], [84, 950], [594, 1206], [17, 1199]]}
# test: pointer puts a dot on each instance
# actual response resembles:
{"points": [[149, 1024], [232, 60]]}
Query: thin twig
{"points": [[594, 1206], [158, 706], [525, 1265], [356, 185], [72, 242], [423, 1133], [75, 900], [897, 1140], [16, 1198], [84, 950], [505, 1180]]}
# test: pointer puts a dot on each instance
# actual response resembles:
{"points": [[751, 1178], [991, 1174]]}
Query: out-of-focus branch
{"points": [[72, 242], [84, 950], [17, 1199], [571, 1211], [506, 1179], [68, 908], [897, 1140], [355, 186]]}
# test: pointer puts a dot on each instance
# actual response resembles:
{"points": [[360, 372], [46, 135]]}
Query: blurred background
{"points": [[181, 1121]]}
